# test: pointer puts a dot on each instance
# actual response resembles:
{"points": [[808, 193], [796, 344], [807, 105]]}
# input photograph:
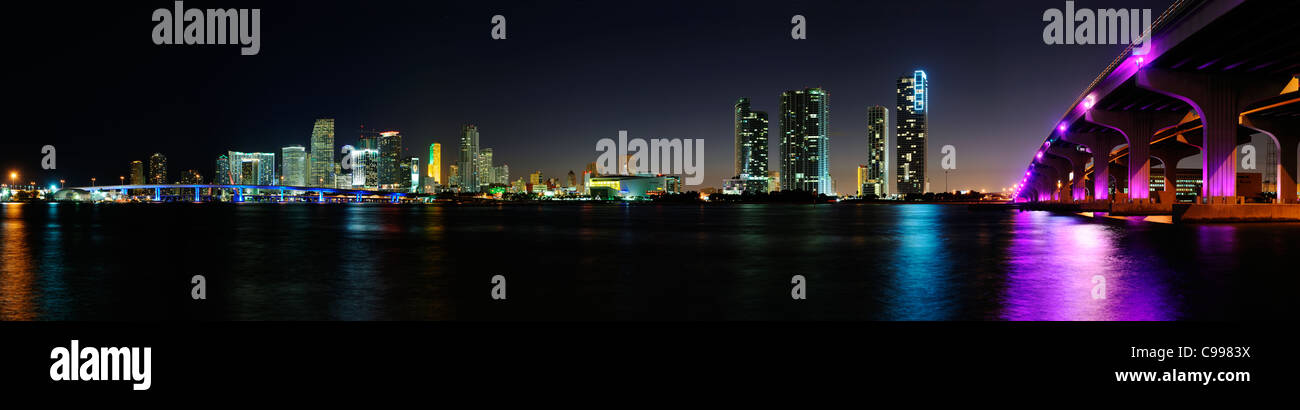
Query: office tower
{"points": [[864, 185], [322, 153], [572, 180], [391, 175], [486, 173], [255, 168], [137, 176], [751, 147], [805, 142], [877, 152], [221, 175], [503, 174], [294, 167], [157, 169], [412, 183], [468, 159], [773, 181], [365, 161], [453, 175], [910, 136], [535, 178], [591, 167], [435, 163]]}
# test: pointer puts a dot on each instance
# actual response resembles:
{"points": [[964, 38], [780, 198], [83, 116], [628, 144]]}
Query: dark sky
{"points": [[88, 79]]}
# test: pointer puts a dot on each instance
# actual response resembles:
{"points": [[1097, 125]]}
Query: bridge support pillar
{"points": [[1218, 99], [1137, 127], [157, 194], [320, 197], [1100, 144], [196, 194]]}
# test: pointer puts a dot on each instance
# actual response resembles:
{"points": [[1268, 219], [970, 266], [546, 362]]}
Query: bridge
{"points": [[1216, 72], [241, 192]]}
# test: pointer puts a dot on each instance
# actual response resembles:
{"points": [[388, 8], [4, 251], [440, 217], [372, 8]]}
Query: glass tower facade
{"points": [[877, 173], [913, 106], [253, 168], [391, 175], [157, 169], [294, 167], [467, 162], [805, 120], [322, 153], [751, 147]]}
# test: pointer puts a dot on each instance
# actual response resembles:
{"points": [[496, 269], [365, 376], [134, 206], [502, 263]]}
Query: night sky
{"points": [[88, 80]]}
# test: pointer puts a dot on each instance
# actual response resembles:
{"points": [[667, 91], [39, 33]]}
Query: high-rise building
{"points": [[221, 175], [468, 159], [910, 136], [751, 147], [453, 175], [805, 141], [254, 168], [157, 169], [773, 181], [137, 176], [294, 168], [391, 175], [486, 172], [503, 174], [412, 183], [365, 161], [322, 153], [877, 177], [864, 185], [435, 163], [572, 180]]}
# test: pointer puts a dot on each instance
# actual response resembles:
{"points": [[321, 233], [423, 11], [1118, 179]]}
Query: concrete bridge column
{"points": [[1138, 127], [1218, 99], [1100, 144], [1061, 167], [157, 194]]}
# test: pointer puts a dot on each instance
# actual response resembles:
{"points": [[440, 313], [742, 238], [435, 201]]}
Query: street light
{"points": [[92, 182], [13, 176], [61, 183]]}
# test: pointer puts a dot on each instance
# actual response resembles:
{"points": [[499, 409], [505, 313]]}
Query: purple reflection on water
{"points": [[1055, 266]]}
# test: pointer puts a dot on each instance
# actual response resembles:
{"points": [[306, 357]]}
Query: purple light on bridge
{"points": [[1061, 127]]}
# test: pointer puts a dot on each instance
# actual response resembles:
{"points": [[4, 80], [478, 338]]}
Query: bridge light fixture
{"points": [[1140, 60], [1061, 127]]}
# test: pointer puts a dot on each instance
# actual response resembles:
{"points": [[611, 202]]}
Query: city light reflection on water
{"points": [[678, 262]]}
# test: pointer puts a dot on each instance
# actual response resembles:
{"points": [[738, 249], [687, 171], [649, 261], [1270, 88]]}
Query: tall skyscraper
{"points": [[322, 153], [294, 167], [751, 147], [468, 159], [411, 169], [157, 169], [805, 141], [221, 175], [503, 174], [864, 187], [453, 175], [435, 163], [137, 173], [913, 106], [486, 172], [391, 175], [877, 176]]}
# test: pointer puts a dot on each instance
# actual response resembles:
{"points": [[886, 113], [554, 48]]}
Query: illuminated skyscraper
{"points": [[751, 147], [412, 183], [453, 175], [502, 174], [468, 159], [864, 186], [877, 176], [486, 172], [322, 153], [913, 106], [221, 175], [805, 141], [157, 169], [391, 174], [294, 167], [435, 163]]}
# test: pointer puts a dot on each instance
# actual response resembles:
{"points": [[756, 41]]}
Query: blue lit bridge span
{"points": [[241, 193]]}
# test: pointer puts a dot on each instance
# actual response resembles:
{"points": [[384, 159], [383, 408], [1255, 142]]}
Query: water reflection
{"points": [[921, 286], [16, 293], [1066, 268]]}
